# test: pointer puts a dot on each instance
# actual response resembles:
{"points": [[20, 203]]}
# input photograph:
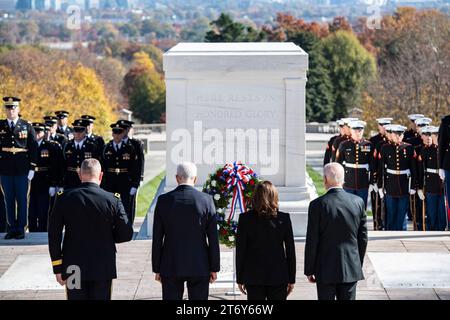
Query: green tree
{"points": [[224, 29], [319, 90], [351, 68]]}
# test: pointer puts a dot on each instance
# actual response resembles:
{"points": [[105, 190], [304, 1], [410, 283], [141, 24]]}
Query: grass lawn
{"points": [[317, 179], [146, 194], [318, 182]]}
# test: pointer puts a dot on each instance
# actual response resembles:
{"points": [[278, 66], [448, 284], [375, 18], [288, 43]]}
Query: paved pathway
{"points": [[135, 279]]}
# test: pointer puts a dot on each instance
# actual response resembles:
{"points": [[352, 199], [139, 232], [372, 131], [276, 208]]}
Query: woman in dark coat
{"points": [[265, 250]]}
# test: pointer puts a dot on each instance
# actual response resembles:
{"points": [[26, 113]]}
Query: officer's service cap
{"points": [[384, 121], [428, 130], [11, 102], [50, 120], [340, 122], [88, 118], [125, 123], [422, 122], [397, 128], [358, 124], [116, 127], [415, 116], [38, 126], [61, 114], [348, 120], [79, 123]]}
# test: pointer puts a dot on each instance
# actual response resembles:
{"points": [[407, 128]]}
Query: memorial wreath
{"points": [[233, 183]]}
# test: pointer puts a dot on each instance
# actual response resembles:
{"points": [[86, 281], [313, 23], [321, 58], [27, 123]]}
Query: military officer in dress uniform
{"points": [[345, 136], [139, 148], [377, 140], [54, 138], [94, 221], [417, 142], [327, 156], [412, 131], [356, 155], [121, 173], [45, 181], [75, 151], [444, 160], [52, 134], [416, 139], [90, 134], [63, 128], [431, 186], [398, 172], [17, 162]]}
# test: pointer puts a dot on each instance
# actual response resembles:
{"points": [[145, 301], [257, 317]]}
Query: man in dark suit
{"points": [[94, 220], [336, 239], [185, 240]]}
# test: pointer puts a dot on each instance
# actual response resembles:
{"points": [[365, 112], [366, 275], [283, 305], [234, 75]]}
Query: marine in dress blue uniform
{"points": [[431, 186], [398, 178]]}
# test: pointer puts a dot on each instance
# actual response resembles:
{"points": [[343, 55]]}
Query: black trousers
{"points": [[91, 290], [2, 213], [266, 292], [38, 207], [339, 291], [173, 288]]}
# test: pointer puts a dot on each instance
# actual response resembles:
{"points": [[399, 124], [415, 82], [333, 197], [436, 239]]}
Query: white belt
{"points": [[357, 166], [398, 171], [432, 170]]}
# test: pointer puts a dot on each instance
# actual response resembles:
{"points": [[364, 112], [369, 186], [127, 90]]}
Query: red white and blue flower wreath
{"points": [[235, 183]]}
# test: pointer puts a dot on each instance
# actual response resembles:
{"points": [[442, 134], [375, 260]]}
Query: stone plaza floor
{"points": [[399, 265]]}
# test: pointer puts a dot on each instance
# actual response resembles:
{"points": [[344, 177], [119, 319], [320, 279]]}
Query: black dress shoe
{"points": [[10, 235], [20, 236]]}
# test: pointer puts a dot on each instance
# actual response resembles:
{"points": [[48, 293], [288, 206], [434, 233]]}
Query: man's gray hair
{"points": [[334, 172], [91, 167], [186, 171]]}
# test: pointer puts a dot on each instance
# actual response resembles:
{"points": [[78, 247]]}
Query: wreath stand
{"points": [[235, 292]]}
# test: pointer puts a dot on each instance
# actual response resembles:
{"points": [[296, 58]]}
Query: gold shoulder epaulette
{"points": [[117, 195]]}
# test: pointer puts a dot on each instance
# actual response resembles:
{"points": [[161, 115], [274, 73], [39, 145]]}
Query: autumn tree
{"points": [[145, 90], [46, 83]]}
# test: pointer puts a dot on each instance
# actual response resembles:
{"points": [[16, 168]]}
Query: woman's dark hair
{"points": [[265, 199]]}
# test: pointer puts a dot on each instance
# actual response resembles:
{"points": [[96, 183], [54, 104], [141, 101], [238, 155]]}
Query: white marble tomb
{"points": [[240, 101]]}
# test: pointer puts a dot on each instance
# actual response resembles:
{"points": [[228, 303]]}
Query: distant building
{"points": [[42, 5], [55, 5], [7, 5], [24, 5], [91, 4]]}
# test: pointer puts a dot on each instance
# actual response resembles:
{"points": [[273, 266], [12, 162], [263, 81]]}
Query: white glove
{"points": [[370, 188], [381, 193], [30, 175], [442, 174], [412, 192], [421, 195], [52, 191], [60, 189], [133, 191]]}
